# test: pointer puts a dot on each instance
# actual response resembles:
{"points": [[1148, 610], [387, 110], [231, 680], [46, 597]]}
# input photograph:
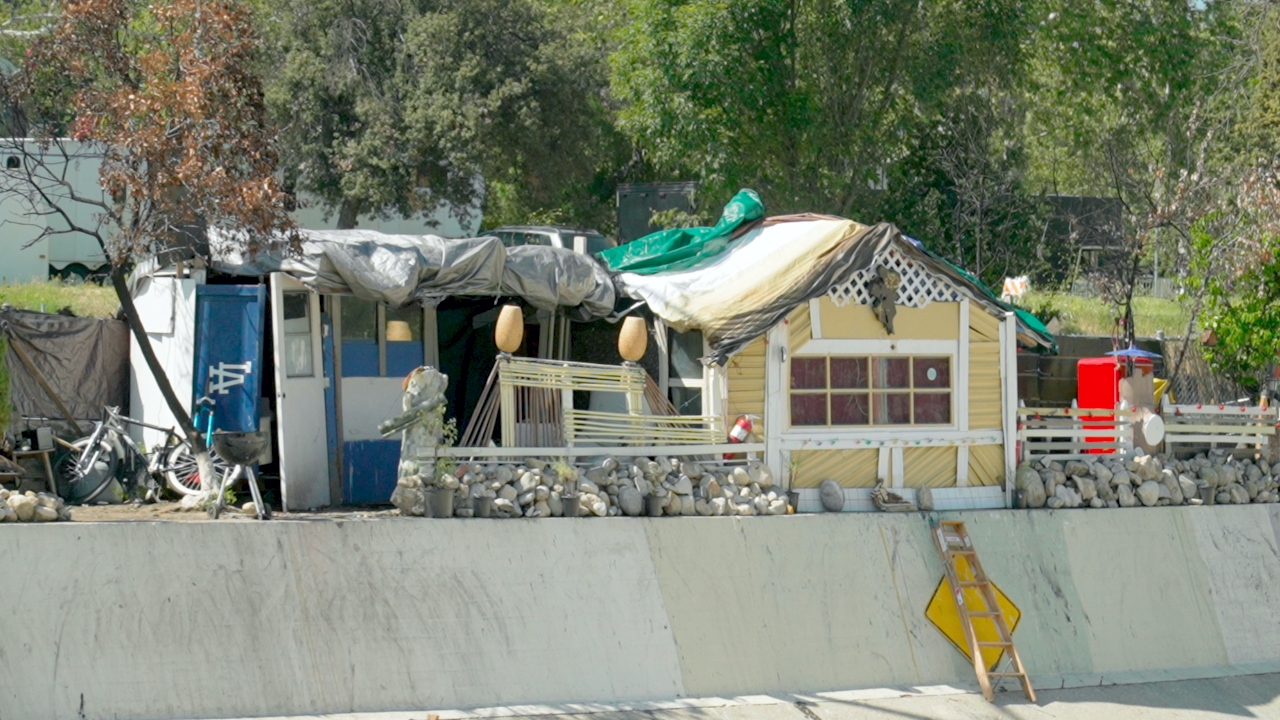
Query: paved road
{"points": [[1245, 696]]}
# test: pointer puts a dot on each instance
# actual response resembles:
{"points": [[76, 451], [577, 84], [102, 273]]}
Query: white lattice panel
{"points": [[919, 286]]}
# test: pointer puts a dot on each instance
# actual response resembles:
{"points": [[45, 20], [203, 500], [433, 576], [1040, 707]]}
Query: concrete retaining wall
{"points": [[150, 620]]}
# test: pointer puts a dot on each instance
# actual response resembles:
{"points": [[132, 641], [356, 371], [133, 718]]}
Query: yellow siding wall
{"points": [[929, 467], [984, 371], [799, 327], [935, 321], [850, 468], [744, 374], [986, 465]]}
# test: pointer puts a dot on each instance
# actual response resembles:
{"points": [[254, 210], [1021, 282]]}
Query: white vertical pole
{"points": [[961, 386], [1009, 398]]}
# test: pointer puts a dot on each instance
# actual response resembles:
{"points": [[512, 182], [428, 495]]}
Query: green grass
{"points": [[1092, 316], [85, 300]]}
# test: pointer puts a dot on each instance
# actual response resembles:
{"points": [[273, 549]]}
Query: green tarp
{"points": [[683, 248]]}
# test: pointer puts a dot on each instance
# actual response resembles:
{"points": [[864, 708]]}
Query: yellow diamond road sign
{"points": [[943, 614]]}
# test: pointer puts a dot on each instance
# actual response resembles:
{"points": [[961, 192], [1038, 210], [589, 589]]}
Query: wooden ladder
{"points": [[953, 542]]}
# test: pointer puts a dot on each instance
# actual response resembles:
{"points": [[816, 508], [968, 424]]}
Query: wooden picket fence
{"points": [[1073, 433], [1190, 428]]}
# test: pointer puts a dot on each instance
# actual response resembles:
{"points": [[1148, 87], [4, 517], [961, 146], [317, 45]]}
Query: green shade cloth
{"points": [[683, 248]]}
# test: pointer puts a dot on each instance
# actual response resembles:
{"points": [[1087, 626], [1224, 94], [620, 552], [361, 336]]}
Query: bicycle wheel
{"points": [[83, 486], [181, 473]]}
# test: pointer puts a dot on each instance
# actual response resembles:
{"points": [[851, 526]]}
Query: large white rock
{"points": [[45, 514], [741, 476], [778, 507], [1120, 477], [555, 501], [586, 486], [1102, 473], [703, 507], [766, 477], [688, 506], [23, 506], [719, 506], [682, 486], [508, 493], [1070, 498], [1148, 493], [832, 496], [528, 481], [924, 499]]}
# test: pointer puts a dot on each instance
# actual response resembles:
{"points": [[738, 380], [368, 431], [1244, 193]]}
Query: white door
{"points": [[300, 386]]}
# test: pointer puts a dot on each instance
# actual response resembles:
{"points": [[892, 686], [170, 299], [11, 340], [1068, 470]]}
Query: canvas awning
{"points": [[764, 274]]}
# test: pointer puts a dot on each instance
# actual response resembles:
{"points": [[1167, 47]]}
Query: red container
{"points": [[1098, 386]]}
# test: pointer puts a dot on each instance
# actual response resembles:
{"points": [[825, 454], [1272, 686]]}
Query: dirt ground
{"points": [[170, 512]]}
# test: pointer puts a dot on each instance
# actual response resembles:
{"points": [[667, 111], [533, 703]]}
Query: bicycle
{"points": [[181, 473], [87, 467]]}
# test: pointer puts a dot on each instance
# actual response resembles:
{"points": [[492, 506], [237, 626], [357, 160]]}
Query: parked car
{"points": [[589, 242]]}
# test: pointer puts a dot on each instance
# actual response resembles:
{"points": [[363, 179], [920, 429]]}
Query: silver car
{"points": [[588, 242]]}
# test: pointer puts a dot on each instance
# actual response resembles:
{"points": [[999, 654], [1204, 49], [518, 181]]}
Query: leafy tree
{"points": [[167, 92], [402, 106]]}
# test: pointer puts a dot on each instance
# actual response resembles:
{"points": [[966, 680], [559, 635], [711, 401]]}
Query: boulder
{"points": [[688, 506], [555, 501], [528, 481], [682, 486], [1125, 496], [23, 506], [1024, 474], [508, 492], [1034, 492], [719, 506], [1088, 489], [1239, 496], [1075, 467], [924, 499], [1120, 477], [766, 477], [1070, 498], [832, 496], [1055, 503], [631, 501], [703, 507], [1149, 492], [1097, 503], [45, 514], [1101, 473]]}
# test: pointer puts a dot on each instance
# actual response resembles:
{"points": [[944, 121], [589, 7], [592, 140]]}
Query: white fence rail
{"points": [[1191, 427], [1073, 433]]}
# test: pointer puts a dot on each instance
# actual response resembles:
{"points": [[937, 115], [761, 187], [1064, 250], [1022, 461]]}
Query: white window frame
{"points": [[952, 367], [430, 342], [712, 383]]}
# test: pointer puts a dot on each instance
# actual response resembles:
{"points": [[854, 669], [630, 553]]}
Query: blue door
{"points": [[228, 349]]}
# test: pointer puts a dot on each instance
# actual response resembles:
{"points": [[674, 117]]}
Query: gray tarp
{"points": [[85, 360], [396, 269]]}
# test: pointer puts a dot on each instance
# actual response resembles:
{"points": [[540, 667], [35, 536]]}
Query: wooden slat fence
{"points": [[1191, 428], [1073, 433]]}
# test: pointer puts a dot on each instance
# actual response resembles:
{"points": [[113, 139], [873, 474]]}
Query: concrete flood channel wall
{"points": [[228, 619]]}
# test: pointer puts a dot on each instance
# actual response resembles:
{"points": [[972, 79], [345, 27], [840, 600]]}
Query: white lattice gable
{"points": [[920, 286]]}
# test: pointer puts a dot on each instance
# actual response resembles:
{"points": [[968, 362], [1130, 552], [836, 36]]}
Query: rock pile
{"points": [[615, 486], [32, 507], [1148, 480]]}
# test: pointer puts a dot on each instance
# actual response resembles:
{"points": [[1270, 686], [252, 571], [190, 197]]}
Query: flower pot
{"points": [[570, 503], [653, 506], [484, 507], [429, 504], [793, 499], [442, 503], [1208, 494]]}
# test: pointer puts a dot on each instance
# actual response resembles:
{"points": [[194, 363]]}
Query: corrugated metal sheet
{"points": [[850, 468], [984, 386], [983, 327], [986, 465], [744, 375], [932, 467], [799, 327]]}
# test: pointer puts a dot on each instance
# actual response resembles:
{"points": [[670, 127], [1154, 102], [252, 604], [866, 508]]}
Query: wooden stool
{"points": [[48, 467]]}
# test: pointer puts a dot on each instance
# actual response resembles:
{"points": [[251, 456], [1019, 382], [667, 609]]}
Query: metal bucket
{"points": [[483, 506]]}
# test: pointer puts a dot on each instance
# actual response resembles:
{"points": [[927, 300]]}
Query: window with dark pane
{"points": [[891, 372], [849, 372], [809, 373], [932, 408], [930, 372], [809, 409], [850, 408]]}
